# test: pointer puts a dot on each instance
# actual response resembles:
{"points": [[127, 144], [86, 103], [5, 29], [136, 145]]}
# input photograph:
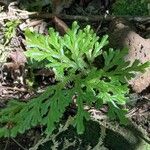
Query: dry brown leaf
{"points": [[16, 66], [18, 60], [18, 57], [60, 25]]}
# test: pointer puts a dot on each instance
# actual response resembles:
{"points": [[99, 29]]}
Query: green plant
{"points": [[127, 7], [10, 30], [79, 81]]}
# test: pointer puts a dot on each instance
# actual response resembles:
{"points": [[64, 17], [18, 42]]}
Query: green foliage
{"points": [[4, 47], [10, 29], [128, 7], [9, 32], [79, 80], [4, 51]]}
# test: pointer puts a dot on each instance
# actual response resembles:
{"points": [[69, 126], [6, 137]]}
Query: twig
{"points": [[132, 112], [92, 18], [13, 89], [6, 145], [100, 23], [25, 14], [16, 89], [19, 144]]}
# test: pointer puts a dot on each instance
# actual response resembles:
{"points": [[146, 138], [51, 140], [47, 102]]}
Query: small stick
{"points": [[19, 144], [6, 145], [96, 18]]}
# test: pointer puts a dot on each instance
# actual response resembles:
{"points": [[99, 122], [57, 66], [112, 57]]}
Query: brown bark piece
{"points": [[123, 35]]}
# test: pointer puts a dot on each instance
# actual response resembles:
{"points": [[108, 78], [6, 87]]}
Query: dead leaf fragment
{"points": [[60, 25], [18, 57]]}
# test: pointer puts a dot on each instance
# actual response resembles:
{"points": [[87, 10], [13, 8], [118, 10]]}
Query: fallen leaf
{"points": [[18, 57], [60, 25]]}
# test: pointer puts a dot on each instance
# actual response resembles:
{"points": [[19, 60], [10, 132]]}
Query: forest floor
{"points": [[14, 83]]}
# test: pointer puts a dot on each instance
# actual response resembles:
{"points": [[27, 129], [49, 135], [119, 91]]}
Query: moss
{"points": [[128, 7]]}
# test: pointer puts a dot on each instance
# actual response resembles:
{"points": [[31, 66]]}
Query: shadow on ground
{"points": [[125, 138]]}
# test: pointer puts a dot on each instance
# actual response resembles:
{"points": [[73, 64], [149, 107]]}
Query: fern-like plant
{"points": [[72, 58]]}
